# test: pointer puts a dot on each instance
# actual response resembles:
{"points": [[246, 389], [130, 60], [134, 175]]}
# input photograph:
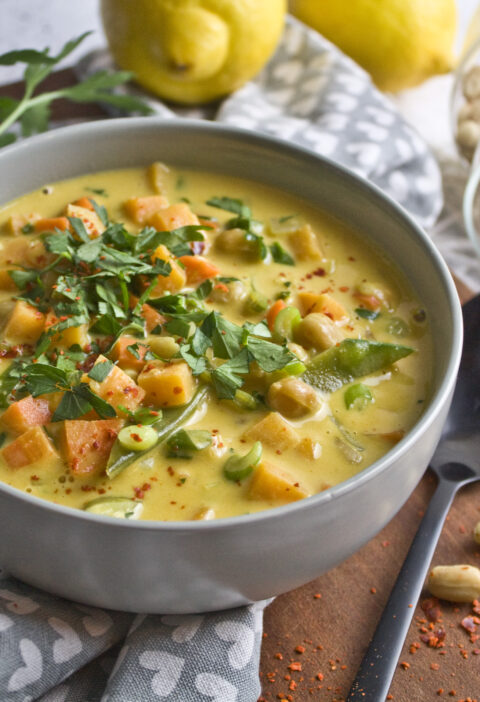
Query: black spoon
{"points": [[456, 463]]}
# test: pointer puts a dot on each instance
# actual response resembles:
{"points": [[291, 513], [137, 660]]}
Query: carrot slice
{"points": [[198, 269], [273, 311], [84, 202]]}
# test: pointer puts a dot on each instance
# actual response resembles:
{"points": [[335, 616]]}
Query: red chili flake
{"points": [[317, 596], [320, 676], [469, 624], [279, 656], [95, 444], [432, 609], [320, 272], [434, 666], [440, 691], [373, 590], [101, 491], [170, 470], [136, 437], [296, 665], [405, 665], [34, 478], [300, 649], [177, 390], [452, 693]]}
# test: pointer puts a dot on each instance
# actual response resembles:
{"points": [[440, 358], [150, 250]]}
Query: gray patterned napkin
{"points": [[58, 651]]}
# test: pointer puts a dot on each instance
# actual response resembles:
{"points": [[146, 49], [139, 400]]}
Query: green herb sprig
{"points": [[33, 110]]}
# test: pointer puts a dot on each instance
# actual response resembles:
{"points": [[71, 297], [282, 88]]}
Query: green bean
{"points": [[119, 507]]}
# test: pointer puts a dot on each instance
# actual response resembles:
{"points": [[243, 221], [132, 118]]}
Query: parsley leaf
{"points": [[100, 371], [228, 377], [226, 337], [231, 205], [279, 254]]}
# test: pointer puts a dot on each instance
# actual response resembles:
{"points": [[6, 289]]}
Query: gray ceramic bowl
{"points": [[198, 566]]}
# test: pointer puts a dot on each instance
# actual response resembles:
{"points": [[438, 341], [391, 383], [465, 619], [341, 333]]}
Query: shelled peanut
{"points": [[468, 118]]}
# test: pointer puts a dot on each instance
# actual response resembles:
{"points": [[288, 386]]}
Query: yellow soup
{"points": [[181, 345]]}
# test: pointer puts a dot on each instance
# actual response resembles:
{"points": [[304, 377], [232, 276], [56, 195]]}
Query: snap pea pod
{"points": [[171, 420], [358, 396], [119, 507], [183, 443], [350, 359]]}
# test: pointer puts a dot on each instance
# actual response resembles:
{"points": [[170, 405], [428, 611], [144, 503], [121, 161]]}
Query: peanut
{"points": [[456, 583]]}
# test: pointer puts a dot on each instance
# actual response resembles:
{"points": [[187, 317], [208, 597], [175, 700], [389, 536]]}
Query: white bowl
{"points": [[174, 567]]}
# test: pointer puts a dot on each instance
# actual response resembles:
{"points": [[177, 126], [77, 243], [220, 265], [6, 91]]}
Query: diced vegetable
{"points": [[271, 483], [358, 396], [305, 244], [255, 302], [90, 220], [46, 224], [118, 389], [371, 296], [175, 280], [25, 324], [118, 507], [86, 445], [397, 327], [184, 443], [285, 225], [198, 269], [318, 331], [19, 224], [163, 346], [166, 384], [204, 514], [273, 312], [129, 353], [141, 209], [274, 431], [324, 303], [85, 203], [292, 397], [293, 368], [6, 281], [30, 447], [173, 217], [69, 336], [286, 322], [236, 243], [239, 467], [171, 420], [137, 437], [26, 413], [158, 175], [352, 358]]}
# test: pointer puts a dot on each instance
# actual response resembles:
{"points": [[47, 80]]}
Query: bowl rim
{"points": [[132, 124]]}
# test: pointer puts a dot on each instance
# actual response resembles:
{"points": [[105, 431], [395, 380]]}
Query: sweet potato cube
{"points": [[91, 220], [173, 217], [274, 431], [328, 305], [305, 244], [152, 317], [25, 324], [86, 446], [167, 384], [272, 483], [26, 413], [30, 447], [49, 224], [175, 280], [141, 209], [117, 388], [69, 336], [124, 357]]}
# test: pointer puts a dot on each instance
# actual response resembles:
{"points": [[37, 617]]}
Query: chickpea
{"points": [[292, 397], [318, 331]]}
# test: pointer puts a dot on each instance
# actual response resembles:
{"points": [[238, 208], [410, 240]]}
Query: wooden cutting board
{"points": [[315, 637]]}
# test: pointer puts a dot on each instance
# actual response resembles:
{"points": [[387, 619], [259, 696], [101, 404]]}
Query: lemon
{"points": [[399, 42], [192, 51]]}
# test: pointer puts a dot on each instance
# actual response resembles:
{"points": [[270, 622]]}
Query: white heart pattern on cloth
{"points": [[242, 639], [31, 671], [168, 670], [69, 645], [290, 71], [372, 131], [367, 154], [216, 687], [18, 603], [186, 626], [5, 622], [342, 101], [97, 623]]}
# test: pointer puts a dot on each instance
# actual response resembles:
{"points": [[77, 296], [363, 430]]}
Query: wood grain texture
{"points": [[335, 628]]}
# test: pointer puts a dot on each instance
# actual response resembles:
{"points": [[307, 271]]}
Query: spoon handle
{"points": [[379, 663]]}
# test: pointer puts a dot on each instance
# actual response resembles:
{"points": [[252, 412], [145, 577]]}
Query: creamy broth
{"points": [[356, 294]]}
